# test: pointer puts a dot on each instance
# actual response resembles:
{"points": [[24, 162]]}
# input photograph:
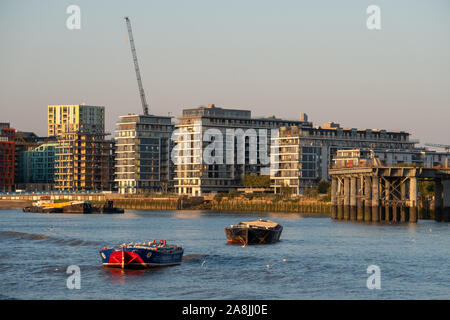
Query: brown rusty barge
{"points": [[254, 232]]}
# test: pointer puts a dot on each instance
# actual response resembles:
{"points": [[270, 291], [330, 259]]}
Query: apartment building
{"points": [[7, 157], [25, 143], [39, 164], [84, 161], [75, 118], [302, 155], [240, 138], [143, 145], [84, 158]]}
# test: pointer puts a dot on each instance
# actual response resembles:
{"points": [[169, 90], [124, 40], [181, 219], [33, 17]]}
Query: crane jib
{"points": [[136, 67]]}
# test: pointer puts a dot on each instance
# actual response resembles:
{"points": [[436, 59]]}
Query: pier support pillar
{"points": [[403, 198], [359, 199], [340, 199], [395, 215], [403, 213], [346, 198], [340, 210], [387, 208], [353, 191], [333, 198], [367, 199], [446, 200], [438, 200], [413, 199], [375, 199]]}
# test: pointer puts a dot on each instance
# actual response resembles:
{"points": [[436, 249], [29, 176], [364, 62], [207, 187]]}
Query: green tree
{"points": [[310, 192], [233, 194], [426, 188], [256, 181], [286, 191], [323, 186], [218, 197]]}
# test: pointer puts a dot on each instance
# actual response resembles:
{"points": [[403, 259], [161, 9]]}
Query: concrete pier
{"points": [[402, 206], [375, 199], [353, 192], [413, 199], [340, 199], [446, 201], [386, 194], [346, 198], [438, 200], [387, 215], [367, 198], [360, 200], [333, 198]]}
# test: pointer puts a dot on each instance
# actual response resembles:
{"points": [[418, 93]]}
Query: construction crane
{"points": [[446, 147], [136, 67]]}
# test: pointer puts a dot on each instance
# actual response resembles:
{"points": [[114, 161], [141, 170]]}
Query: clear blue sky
{"points": [[272, 57]]}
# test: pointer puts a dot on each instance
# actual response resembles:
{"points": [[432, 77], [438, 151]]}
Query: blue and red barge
{"points": [[142, 255]]}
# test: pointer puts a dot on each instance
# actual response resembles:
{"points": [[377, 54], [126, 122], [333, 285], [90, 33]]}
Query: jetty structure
{"points": [[372, 191]]}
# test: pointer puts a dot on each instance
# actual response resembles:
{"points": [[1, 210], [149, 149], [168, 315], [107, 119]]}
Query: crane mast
{"points": [[136, 67]]}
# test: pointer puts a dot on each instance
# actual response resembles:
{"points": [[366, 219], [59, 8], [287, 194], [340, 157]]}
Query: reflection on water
{"points": [[317, 258], [130, 215], [188, 214], [412, 228], [29, 236], [119, 276]]}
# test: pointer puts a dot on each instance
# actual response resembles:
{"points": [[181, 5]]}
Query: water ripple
{"points": [[31, 236]]}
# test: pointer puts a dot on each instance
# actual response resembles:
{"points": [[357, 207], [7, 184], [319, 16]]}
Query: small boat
{"points": [[142, 255], [254, 232]]}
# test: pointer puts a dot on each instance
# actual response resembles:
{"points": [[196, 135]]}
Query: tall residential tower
{"points": [[75, 118], [143, 145], [84, 158]]}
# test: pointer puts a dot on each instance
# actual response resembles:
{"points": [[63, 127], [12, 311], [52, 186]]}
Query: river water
{"points": [[317, 258]]}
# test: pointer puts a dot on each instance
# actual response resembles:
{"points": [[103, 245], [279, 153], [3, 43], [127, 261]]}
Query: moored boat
{"points": [[60, 207], [42, 209], [71, 207], [78, 207], [142, 255], [254, 232], [108, 207]]}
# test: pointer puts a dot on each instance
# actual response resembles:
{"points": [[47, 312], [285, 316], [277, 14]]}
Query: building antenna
{"points": [[136, 67]]}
